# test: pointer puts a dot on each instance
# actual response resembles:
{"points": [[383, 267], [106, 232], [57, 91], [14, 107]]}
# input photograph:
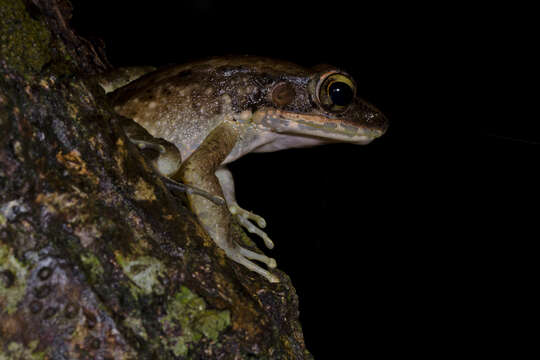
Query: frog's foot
{"points": [[244, 217], [271, 263], [242, 256], [176, 186]]}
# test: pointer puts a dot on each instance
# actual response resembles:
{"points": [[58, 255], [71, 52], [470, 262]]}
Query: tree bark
{"points": [[97, 258]]}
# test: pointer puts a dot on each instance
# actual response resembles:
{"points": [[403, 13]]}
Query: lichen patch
{"points": [[144, 271], [187, 315], [76, 165], [92, 265], [13, 278], [16, 350], [144, 191], [24, 42], [136, 325]]}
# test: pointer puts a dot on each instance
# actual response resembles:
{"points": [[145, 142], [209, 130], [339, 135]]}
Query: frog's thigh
{"points": [[200, 170]]}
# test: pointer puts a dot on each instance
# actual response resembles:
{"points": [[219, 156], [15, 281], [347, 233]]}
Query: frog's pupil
{"points": [[340, 93]]}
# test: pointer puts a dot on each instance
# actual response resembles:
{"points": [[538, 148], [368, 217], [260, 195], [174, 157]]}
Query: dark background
{"points": [[400, 247]]}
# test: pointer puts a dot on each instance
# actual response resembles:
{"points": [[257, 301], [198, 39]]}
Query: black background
{"points": [[401, 247]]}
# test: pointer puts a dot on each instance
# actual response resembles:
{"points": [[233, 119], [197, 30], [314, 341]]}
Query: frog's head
{"points": [[322, 104]]}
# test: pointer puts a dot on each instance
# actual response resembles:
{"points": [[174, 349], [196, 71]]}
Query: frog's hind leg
{"points": [[199, 170]]}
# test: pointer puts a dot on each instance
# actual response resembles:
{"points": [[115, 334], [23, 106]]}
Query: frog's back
{"points": [[216, 66], [183, 103], [228, 64]]}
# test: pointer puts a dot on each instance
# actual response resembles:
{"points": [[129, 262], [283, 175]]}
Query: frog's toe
{"points": [[255, 230], [248, 215], [244, 217], [173, 186], [271, 263], [143, 145], [241, 256], [258, 219]]}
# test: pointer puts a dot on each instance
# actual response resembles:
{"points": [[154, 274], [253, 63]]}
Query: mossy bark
{"points": [[97, 258]]}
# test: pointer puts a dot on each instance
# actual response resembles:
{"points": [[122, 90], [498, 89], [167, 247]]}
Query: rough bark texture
{"points": [[98, 260]]}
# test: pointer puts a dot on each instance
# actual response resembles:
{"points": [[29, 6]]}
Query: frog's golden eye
{"points": [[335, 91], [283, 94]]}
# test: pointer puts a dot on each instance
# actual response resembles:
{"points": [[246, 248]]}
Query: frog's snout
{"points": [[383, 124], [369, 118], [375, 122]]}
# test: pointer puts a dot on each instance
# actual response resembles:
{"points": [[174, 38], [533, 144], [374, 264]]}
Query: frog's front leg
{"points": [[166, 160], [242, 216], [200, 170]]}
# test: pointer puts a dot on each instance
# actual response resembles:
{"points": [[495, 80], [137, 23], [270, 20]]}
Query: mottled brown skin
{"points": [[217, 110]]}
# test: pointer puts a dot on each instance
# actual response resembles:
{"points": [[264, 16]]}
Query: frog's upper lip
{"points": [[316, 125]]}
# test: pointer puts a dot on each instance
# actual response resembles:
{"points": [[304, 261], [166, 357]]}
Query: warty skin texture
{"points": [[217, 110]]}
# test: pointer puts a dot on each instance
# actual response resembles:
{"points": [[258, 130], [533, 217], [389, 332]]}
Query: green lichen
{"points": [[13, 286], [212, 322], [24, 42], [17, 350], [93, 266], [187, 315], [136, 325], [144, 272]]}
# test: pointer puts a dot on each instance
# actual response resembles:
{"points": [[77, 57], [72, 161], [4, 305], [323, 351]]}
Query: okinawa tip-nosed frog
{"points": [[217, 110]]}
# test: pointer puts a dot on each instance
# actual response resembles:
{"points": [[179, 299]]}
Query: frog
{"points": [[202, 116]]}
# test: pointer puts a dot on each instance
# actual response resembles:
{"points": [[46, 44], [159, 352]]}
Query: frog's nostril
{"points": [[378, 123], [385, 123]]}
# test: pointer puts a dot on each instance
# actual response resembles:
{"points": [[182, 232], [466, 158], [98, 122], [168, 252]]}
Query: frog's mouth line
{"points": [[285, 122]]}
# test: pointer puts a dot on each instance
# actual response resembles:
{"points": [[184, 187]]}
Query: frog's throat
{"points": [[286, 122]]}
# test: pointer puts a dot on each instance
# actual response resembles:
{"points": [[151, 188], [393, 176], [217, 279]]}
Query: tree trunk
{"points": [[97, 258]]}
